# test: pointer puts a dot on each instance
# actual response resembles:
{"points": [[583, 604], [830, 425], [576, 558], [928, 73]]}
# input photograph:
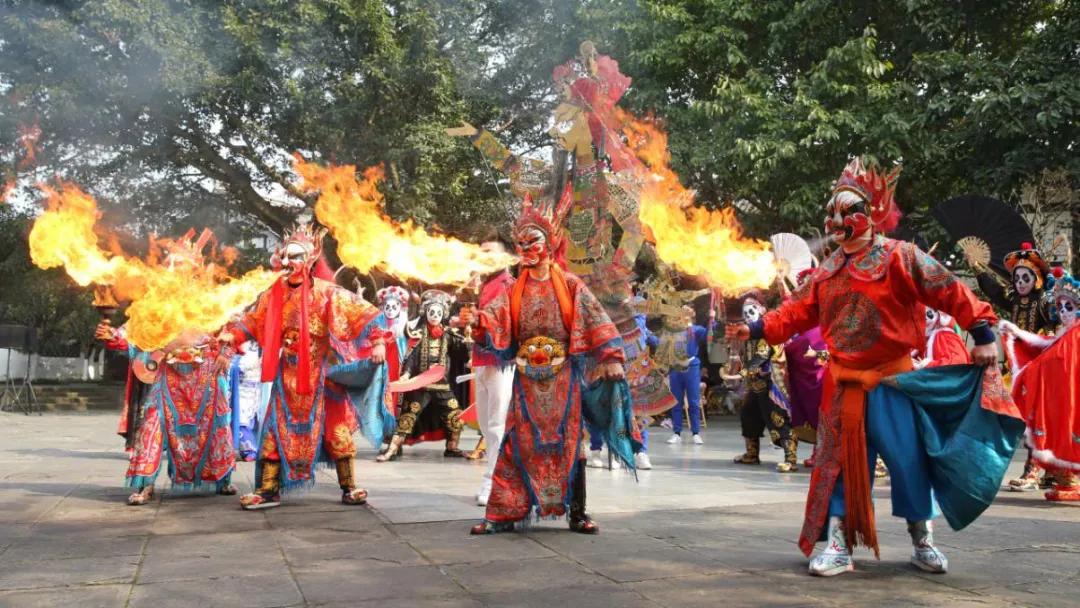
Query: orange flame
{"points": [[177, 296], [697, 240], [367, 238]]}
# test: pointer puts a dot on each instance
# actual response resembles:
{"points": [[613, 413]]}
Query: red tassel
{"points": [[271, 338], [303, 367]]}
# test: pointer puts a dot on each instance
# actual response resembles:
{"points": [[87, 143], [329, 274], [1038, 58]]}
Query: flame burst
{"points": [[367, 238], [698, 241], [177, 296]]}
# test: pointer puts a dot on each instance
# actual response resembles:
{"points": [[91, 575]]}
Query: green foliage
{"points": [[183, 112]]}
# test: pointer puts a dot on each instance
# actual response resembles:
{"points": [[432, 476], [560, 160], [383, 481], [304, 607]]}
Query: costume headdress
{"points": [[185, 250], [392, 292], [436, 297], [305, 235], [548, 218], [1065, 286], [875, 187], [1028, 257]]}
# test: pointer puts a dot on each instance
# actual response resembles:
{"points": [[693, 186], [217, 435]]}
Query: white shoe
{"points": [[641, 460], [481, 500], [924, 555], [595, 462], [698, 440], [836, 558], [674, 439], [616, 464]]}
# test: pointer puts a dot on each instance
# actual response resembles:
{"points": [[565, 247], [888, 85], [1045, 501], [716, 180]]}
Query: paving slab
{"points": [[697, 530]]}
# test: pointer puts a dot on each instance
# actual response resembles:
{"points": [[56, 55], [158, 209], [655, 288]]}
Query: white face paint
{"points": [[931, 319], [752, 311], [1023, 280], [435, 315], [391, 309], [1067, 311]]}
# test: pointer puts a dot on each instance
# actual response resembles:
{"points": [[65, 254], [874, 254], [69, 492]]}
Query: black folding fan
{"points": [[984, 228]]}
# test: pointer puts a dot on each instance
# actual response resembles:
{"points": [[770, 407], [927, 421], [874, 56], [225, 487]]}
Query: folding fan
{"points": [[984, 228], [792, 256]]}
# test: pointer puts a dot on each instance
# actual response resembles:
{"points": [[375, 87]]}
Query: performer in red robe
{"points": [[943, 345], [559, 335], [307, 421], [1046, 386], [865, 297]]}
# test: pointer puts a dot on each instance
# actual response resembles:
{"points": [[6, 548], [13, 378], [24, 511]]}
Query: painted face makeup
{"points": [[752, 311], [1023, 280], [435, 315], [294, 260], [931, 319], [1068, 311], [531, 245], [391, 309], [847, 217]]}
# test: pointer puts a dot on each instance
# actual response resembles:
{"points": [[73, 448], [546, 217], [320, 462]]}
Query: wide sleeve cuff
{"points": [[757, 329], [981, 333]]}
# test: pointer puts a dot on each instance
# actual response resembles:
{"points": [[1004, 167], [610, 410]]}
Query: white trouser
{"points": [[494, 385]]}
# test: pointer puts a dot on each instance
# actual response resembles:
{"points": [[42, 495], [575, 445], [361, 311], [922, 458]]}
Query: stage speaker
{"points": [[18, 337]]}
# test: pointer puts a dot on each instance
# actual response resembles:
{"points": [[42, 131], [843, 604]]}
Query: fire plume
{"points": [[367, 238], [178, 295], [698, 241]]}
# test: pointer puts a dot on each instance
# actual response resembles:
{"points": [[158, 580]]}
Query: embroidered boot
{"points": [[753, 447], [452, 450], [791, 456], [350, 494], [393, 451], [141, 497], [1066, 488], [836, 557], [268, 494], [1030, 478], [925, 556]]}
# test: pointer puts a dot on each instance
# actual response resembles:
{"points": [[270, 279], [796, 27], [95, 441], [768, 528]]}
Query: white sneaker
{"points": [[835, 559], [675, 439], [595, 462], [698, 440], [641, 459], [616, 464]]}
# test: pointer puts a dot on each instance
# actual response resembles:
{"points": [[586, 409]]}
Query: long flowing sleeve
{"points": [[351, 314], [592, 332], [939, 288], [797, 315]]}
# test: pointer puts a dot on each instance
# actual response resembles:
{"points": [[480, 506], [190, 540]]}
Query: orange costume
{"points": [[306, 421]]}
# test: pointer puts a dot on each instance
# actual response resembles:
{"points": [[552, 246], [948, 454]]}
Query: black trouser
{"points": [[577, 491], [447, 412], [760, 412]]}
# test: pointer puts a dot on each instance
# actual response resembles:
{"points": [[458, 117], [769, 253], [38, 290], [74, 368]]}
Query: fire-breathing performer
{"points": [[558, 334], [1046, 372], [307, 421], [185, 409], [866, 298]]}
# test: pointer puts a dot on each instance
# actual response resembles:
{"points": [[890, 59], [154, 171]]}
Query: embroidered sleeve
{"points": [[494, 321], [250, 325], [939, 288], [592, 331], [349, 314]]}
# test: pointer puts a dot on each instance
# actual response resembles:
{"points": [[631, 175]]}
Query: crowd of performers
{"points": [[862, 359]]}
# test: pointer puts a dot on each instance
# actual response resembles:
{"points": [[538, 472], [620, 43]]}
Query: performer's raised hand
{"points": [[611, 370], [104, 331], [737, 331], [465, 130]]}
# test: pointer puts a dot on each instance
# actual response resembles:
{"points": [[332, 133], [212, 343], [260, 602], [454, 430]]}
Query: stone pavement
{"points": [[695, 531]]}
